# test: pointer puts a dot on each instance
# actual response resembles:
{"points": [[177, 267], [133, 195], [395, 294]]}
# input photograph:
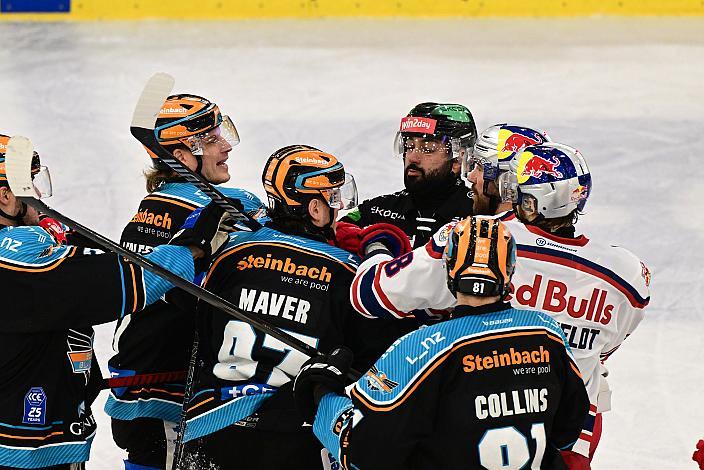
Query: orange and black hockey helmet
{"points": [[295, 174], [36, 163], [480, 257], [185, 119]]}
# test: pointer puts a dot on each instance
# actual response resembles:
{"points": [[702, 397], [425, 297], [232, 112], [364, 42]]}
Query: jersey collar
{"points": [[466, 310], [577, 241]]}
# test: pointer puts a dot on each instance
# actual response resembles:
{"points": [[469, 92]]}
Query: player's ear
{"points": [[315, 211], [181, 155], [6, 195]]}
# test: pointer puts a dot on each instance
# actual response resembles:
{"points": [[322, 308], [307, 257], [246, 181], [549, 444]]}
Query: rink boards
{"points": [[89, 10]]}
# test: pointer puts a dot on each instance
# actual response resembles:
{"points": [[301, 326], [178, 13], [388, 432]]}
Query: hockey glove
{"points": [[698, 455], [347, 236], [206, 228], [380, 236], [575, 461], [318, 376], [54, 228]]}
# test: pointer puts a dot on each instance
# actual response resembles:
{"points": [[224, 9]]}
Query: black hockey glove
{"points": [[206, 228], [318, 376]]}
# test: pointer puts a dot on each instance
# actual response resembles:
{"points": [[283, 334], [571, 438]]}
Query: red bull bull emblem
{"points": [[418, 125], [537, 166], [513, 140], [516, 142]]}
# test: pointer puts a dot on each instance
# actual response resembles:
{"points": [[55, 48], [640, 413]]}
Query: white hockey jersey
{"points": [[595, 291]]}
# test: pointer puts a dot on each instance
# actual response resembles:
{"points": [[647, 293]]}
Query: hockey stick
{"points": [[18, 161], [150, 102], [187, 395], [143, 379]]}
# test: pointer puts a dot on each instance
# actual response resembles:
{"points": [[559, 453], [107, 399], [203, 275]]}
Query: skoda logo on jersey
{"points": [[386, 213], [34, 406], [540, 242]]}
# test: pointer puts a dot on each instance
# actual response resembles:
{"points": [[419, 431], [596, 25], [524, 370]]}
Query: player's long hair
{"points": [[555, 224], [160, 173]]}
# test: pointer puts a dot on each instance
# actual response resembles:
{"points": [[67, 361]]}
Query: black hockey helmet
{"points": [[452, 124]]}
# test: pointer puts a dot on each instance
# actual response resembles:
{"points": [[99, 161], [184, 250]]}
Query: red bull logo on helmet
{"points": [[579, 193], [512, 141], [535, 166], [419, 125]]}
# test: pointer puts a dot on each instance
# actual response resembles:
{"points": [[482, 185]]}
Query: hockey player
{"points": [[55, 293], [193, 129], [433, 140], [595, 291], [242, 413], [486, 167], [493, 387]]}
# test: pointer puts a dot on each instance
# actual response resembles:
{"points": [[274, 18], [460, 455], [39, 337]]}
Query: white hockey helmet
{"points": [[555, 175], [497, 145]]}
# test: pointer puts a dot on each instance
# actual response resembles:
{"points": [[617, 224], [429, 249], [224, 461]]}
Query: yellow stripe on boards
{"points": [[89, 10]]}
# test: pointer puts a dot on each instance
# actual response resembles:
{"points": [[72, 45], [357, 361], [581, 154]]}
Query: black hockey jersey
{"points": [[297, 284], [159, 339], [52, 296], [494, 388]]}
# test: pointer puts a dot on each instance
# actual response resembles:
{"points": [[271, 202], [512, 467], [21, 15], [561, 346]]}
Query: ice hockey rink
{"points": [[627, 92]]}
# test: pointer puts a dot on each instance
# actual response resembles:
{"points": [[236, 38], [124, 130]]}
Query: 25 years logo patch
{"points": [[34, 406]]}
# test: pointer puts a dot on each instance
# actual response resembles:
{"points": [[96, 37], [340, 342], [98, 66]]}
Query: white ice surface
{"points": [[628, 93]]}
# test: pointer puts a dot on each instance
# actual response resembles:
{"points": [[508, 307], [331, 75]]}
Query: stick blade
{"points": [[18, 164], [151, 100]]}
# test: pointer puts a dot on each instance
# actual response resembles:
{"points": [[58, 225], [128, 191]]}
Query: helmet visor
{"points": [[225, 136], [343, 197], [508, 187], [421, 144], [42, 182]]}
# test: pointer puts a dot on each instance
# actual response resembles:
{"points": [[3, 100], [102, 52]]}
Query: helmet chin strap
{"points": [[19, 216]]}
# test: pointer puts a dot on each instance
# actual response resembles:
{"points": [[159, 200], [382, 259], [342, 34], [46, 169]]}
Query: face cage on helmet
{"points": [[451, 144]]}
